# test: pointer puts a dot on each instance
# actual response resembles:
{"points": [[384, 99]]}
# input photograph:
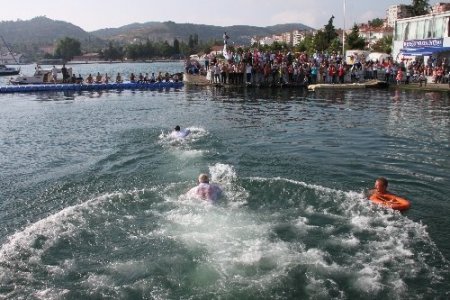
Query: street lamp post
{"points": [[343, 33]]}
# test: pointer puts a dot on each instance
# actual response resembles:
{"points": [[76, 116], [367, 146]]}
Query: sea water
{"points": [[93, 200]]}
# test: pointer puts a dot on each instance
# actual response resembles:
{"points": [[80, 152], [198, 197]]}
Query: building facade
{"points": [[427, 36], [396, 12], [373, 34], [440, 7]]}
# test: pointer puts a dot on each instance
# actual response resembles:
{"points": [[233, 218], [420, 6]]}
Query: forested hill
{"points": [[44, 31], [40, 31], [156, 31]]}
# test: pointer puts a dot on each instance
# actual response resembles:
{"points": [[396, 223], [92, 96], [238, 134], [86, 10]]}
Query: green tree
{"points": [[354, 41], [321, 41], [132, 52], [193, 43], [147, 51], [176, 46], [307, 45], [165, 49], [276, 46], [330, 31], [420, 7], [376, 23], [67, 48], [324, 38], [335, 46], [113, 53], [383, 45]]}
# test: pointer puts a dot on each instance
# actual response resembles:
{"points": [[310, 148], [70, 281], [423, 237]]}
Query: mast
{"points": [[343, 34], [9, 49]]}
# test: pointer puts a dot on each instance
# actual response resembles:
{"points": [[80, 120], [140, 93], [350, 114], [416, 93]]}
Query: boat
{"points": [[40, 76], [348, 86], [8, 71], [196, 79]]}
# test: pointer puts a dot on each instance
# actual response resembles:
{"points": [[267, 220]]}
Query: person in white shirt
{"points": [[205, 190], [178, 133], [54, 74]]}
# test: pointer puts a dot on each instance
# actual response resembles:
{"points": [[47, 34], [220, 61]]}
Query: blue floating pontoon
{"points": [[89, 87]]}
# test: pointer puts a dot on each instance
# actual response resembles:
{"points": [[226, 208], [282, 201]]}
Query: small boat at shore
{"points": [[8, 71], [348, 86], [40, 76], [195, 79]]}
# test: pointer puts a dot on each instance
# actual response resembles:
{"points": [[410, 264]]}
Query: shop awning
{"points": [[425, 51]]}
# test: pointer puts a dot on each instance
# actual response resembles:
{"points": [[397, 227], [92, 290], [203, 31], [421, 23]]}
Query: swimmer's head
{"points": [[203, 178], [381, 185], [177, 128]]}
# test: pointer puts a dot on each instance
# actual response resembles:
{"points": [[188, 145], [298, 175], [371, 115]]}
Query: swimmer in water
{"points": [[380, 191], [205, 190], [178, 133], [381, 185]]}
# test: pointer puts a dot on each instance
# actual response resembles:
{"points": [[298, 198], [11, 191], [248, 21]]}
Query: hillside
{"points": [[29, 37], [40, 31], [156, 31]]}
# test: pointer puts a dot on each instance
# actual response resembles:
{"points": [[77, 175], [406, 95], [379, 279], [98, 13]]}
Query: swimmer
{"points": [[178, 133], [380, 191], [205, 190], [381, 196], [381, 185]]}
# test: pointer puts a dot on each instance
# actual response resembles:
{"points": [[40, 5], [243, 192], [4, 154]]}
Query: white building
{"points": [[395, 12], [299, 35], [427, 35], [374, 34], [440, 7], [266, 41]]}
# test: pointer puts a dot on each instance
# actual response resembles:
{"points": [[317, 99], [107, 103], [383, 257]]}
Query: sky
{"points": [[91, 15]]}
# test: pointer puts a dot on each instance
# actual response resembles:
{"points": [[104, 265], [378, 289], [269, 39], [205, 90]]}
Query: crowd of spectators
{"points": [[286, 67]]}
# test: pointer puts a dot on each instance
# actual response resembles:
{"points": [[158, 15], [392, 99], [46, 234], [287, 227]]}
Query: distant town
{"points": [[372, 33]]}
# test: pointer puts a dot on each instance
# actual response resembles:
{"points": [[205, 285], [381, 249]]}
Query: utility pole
{"points": [[343, 34]]}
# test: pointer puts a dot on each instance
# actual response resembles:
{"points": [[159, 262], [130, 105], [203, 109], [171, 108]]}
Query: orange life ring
{"points": [[390, 200]]}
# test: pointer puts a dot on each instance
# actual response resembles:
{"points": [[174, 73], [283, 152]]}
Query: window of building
{"points": [[448, 27], [420, 34], [412, 31], [438, 27]]}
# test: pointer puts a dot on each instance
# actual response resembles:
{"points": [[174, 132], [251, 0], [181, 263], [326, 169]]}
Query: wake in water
{"points": [[267, 238], [195, 134], [271, 236]]}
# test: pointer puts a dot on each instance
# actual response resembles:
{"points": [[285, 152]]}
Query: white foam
{"points": [[368, 280], [50, 294], [182, 149], [195, 134], [345, 241], [240, 245], [98, 282], [19, 255], [234, 239], [389, 239]]}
